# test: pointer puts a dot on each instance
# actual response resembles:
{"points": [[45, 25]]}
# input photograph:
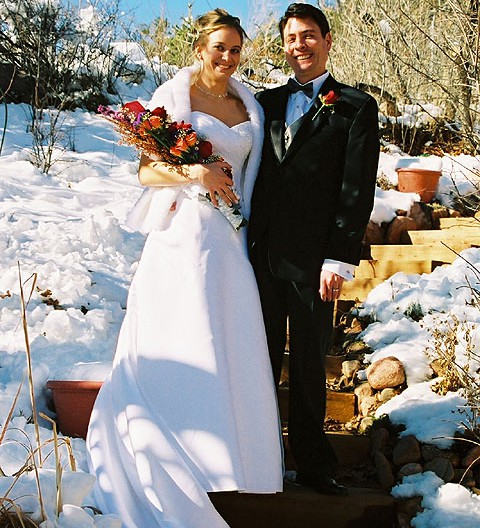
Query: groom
{"points": [[310, 208]]}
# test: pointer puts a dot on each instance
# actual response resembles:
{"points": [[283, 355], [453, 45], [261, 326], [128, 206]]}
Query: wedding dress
{"points": [[190, 405]]}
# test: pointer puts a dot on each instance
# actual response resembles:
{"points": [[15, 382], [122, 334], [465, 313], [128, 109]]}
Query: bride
{"points": [[190, 405]]}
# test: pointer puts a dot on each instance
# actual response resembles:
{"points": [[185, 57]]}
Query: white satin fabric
{"points": [[190, 405]]}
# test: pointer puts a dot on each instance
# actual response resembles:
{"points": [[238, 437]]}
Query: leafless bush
{"points": [[413, 52], [456, 358], [56, 57]]}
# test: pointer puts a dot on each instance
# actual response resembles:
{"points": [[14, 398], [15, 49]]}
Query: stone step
{"points": [[299, 507]]}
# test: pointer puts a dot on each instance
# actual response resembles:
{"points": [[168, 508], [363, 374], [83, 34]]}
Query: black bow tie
{"points": [[295, 87]]}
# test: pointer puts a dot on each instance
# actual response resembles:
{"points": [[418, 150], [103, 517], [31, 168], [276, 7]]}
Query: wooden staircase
{"points": [[423, 251], [366, 505], [301, 508]]}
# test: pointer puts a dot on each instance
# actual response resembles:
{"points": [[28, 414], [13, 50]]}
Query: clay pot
{"points": [[421, 181], [73, 401]]}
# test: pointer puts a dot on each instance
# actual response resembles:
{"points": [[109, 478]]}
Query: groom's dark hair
{"points": [[304, 11]]}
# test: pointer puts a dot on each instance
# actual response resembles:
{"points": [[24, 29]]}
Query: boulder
{"points": [[386, 372]]}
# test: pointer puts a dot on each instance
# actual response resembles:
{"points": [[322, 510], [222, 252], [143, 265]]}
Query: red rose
{"points": [[159, 112], [330, 98], [205, 149], [134, 107]]}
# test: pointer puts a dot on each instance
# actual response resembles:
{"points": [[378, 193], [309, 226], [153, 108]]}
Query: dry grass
{"points": [[11, 514]]}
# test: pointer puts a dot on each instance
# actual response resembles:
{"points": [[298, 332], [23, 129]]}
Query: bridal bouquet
{"points": [[154, 132]]}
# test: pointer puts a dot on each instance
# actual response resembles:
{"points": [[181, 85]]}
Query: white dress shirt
{"points": [[298, 104]]}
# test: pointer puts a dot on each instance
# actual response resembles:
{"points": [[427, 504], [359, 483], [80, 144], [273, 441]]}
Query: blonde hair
{"points": [[214, 20]]}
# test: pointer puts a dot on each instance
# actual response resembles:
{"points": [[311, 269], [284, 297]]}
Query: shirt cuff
{"points": [[340, 268]]}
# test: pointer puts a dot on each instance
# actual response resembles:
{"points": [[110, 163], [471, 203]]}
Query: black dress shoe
{"points": [[324, 485]]}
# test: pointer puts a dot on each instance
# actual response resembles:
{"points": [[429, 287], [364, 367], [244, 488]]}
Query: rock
{"points": [[412, 468], [355, 327], [373, 234], [476, 476], [442, 467], [367, 405], [387, 394], [421, 214], [429, 452], [365, 424], [384, 470], [380, 441], [438, 212], [349, 368], [465, 477], [356, 348], [407, 509], [397, 229], [472, 458], [407, 450], [363, 390], [386, 372]]}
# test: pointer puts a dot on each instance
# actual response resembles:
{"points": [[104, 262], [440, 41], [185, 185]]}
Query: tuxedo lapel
{"points": [[278, 107], [313, 119]]}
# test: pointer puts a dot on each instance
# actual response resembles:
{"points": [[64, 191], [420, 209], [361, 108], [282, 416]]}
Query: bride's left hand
{"points": [[217, 179]]}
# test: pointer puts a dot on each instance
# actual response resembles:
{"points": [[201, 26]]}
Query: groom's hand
{"points": [[330, 286]]}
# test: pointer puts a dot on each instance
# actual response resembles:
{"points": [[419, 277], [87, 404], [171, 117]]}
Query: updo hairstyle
{"points": [[212, 21]]}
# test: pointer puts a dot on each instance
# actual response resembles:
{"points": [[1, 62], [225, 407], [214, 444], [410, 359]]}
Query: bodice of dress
{"points": [[232, 143], [152, 210]]}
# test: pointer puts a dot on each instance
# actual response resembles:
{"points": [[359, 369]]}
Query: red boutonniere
{"points": [[328, 101]]}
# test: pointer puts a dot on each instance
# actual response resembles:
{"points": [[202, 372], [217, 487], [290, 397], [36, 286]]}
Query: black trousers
{"points": [[310, 331]]}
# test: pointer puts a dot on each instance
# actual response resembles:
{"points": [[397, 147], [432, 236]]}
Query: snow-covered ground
{"points": [[68, 230]]}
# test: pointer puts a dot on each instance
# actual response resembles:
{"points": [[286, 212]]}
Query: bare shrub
{"points": [[423, 53]]}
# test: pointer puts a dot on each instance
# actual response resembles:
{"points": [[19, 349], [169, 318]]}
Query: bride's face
{"points": [[220, 54]]}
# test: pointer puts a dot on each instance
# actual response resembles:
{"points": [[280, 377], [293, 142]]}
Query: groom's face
{"points": [[306, 48]]}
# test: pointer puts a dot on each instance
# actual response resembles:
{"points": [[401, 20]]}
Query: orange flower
{"points": [[152, 122], [191, 139], [180, 147]]}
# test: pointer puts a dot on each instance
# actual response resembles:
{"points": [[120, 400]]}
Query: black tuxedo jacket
{"points": [[313, 200]]}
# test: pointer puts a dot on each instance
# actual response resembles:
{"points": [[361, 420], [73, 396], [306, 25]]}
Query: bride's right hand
{"points": [[217, 180]]}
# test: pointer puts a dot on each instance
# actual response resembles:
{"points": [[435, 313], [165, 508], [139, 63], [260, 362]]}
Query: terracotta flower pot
{"points": [[73, 402], [421, 181]]}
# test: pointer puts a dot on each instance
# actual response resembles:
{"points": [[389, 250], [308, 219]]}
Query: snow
{"points": [[67, 230]]}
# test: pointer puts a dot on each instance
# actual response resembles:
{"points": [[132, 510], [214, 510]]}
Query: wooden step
{"points": [[358, 289], [435, 252], [383, 269], [459, 222], [456, 238], [299, 507], [352, 450], [341, 406]]}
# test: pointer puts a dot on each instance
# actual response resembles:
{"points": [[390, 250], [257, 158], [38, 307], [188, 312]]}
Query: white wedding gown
{"points": [[190, 405]]}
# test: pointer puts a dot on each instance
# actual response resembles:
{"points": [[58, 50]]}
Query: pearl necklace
{"points": [[211, 94]]}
